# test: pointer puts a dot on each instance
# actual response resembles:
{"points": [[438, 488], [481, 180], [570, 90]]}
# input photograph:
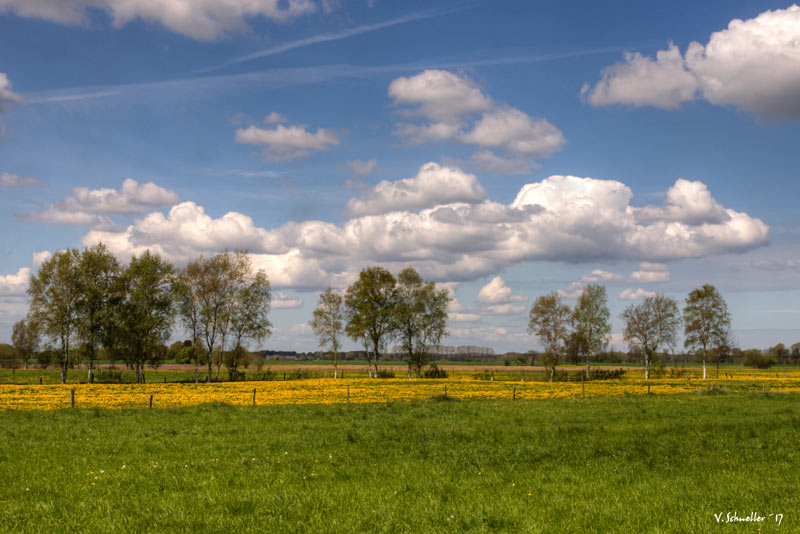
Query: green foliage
{"points": [[760, 360], [369, 310], [651, 324], [385, 373], [55, 295], [328, 322], [591, 321], [434, 371], [707, 323], [143, 311], [420, 316], [550, 320]]}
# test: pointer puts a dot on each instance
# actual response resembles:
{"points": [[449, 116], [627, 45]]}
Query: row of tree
{"points": [[378, 309], [649, 326], [89, 300]]}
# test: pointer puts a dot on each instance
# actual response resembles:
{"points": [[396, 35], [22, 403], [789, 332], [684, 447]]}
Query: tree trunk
{"points": [[64, 362], [196, 370], [409, 367], [646, 367], [91, 370], [552, 373], [335, 368], [587, 368], [704, 368]]}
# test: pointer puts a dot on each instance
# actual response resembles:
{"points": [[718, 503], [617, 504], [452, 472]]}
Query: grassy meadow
{"points": [[630, 463]]}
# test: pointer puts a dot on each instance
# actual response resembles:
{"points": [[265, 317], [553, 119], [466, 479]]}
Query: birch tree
{"points": [[54, 293], [420, 316], [549, 321], [328, 324], [706, 323], [591, 320], [649, 325], [369, 307]]}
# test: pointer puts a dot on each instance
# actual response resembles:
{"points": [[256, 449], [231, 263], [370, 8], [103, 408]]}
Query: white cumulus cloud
{"points": [[7, 96], [649, 273], [560, 218], [284, 143], [199, 19], [90, 207], [497, 292], [753, 64], [453, 108], [433, 185], [631, 294]]}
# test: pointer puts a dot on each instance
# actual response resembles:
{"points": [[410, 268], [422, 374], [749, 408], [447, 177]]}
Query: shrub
{"points": [[108, 376], [433, 371], [385, 373], [756, 358]]}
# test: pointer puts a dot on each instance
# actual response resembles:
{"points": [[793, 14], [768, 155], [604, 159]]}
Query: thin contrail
{"points": [[323, 38]]}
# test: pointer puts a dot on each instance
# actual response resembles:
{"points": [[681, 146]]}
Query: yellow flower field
{"points": [[330, 391]]}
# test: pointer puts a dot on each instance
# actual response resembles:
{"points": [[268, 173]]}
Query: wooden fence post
{"points": [[514, 393], [40, 380], [72, 398], [151, 401], [648, 389], [445, 390], [348, 394], [254, 396]]}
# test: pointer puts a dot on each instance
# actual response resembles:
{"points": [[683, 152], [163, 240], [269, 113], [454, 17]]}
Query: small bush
{"points": [[483, 375], [759, 360], [108, 376], [385, 373], [433, 371]]}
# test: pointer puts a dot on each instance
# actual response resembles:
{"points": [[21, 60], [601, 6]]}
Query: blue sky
{"points": [[506, 150]]}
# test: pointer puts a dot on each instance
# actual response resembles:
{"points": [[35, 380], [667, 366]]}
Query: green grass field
{"points": [[627, 464]]}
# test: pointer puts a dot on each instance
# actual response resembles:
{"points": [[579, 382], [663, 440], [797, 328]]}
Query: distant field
{"points": [[280, 370], [658, 463]]}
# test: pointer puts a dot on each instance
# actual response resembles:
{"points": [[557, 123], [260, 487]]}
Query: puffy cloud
{"points": [[40, 257], [650, 273], [274, 118], [282, 300], [561, 218], [433, 185], [359, 169], [754, 65], [199, 19], [687, 201], [15, 284], [89, 206], [662, 82], [450, 104], [185, 232], [516, 132], [12, 180], [7, 96], [631, 294], [497, 292], [572, 292], [439, 95], [284, 143], [599, 275]]}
